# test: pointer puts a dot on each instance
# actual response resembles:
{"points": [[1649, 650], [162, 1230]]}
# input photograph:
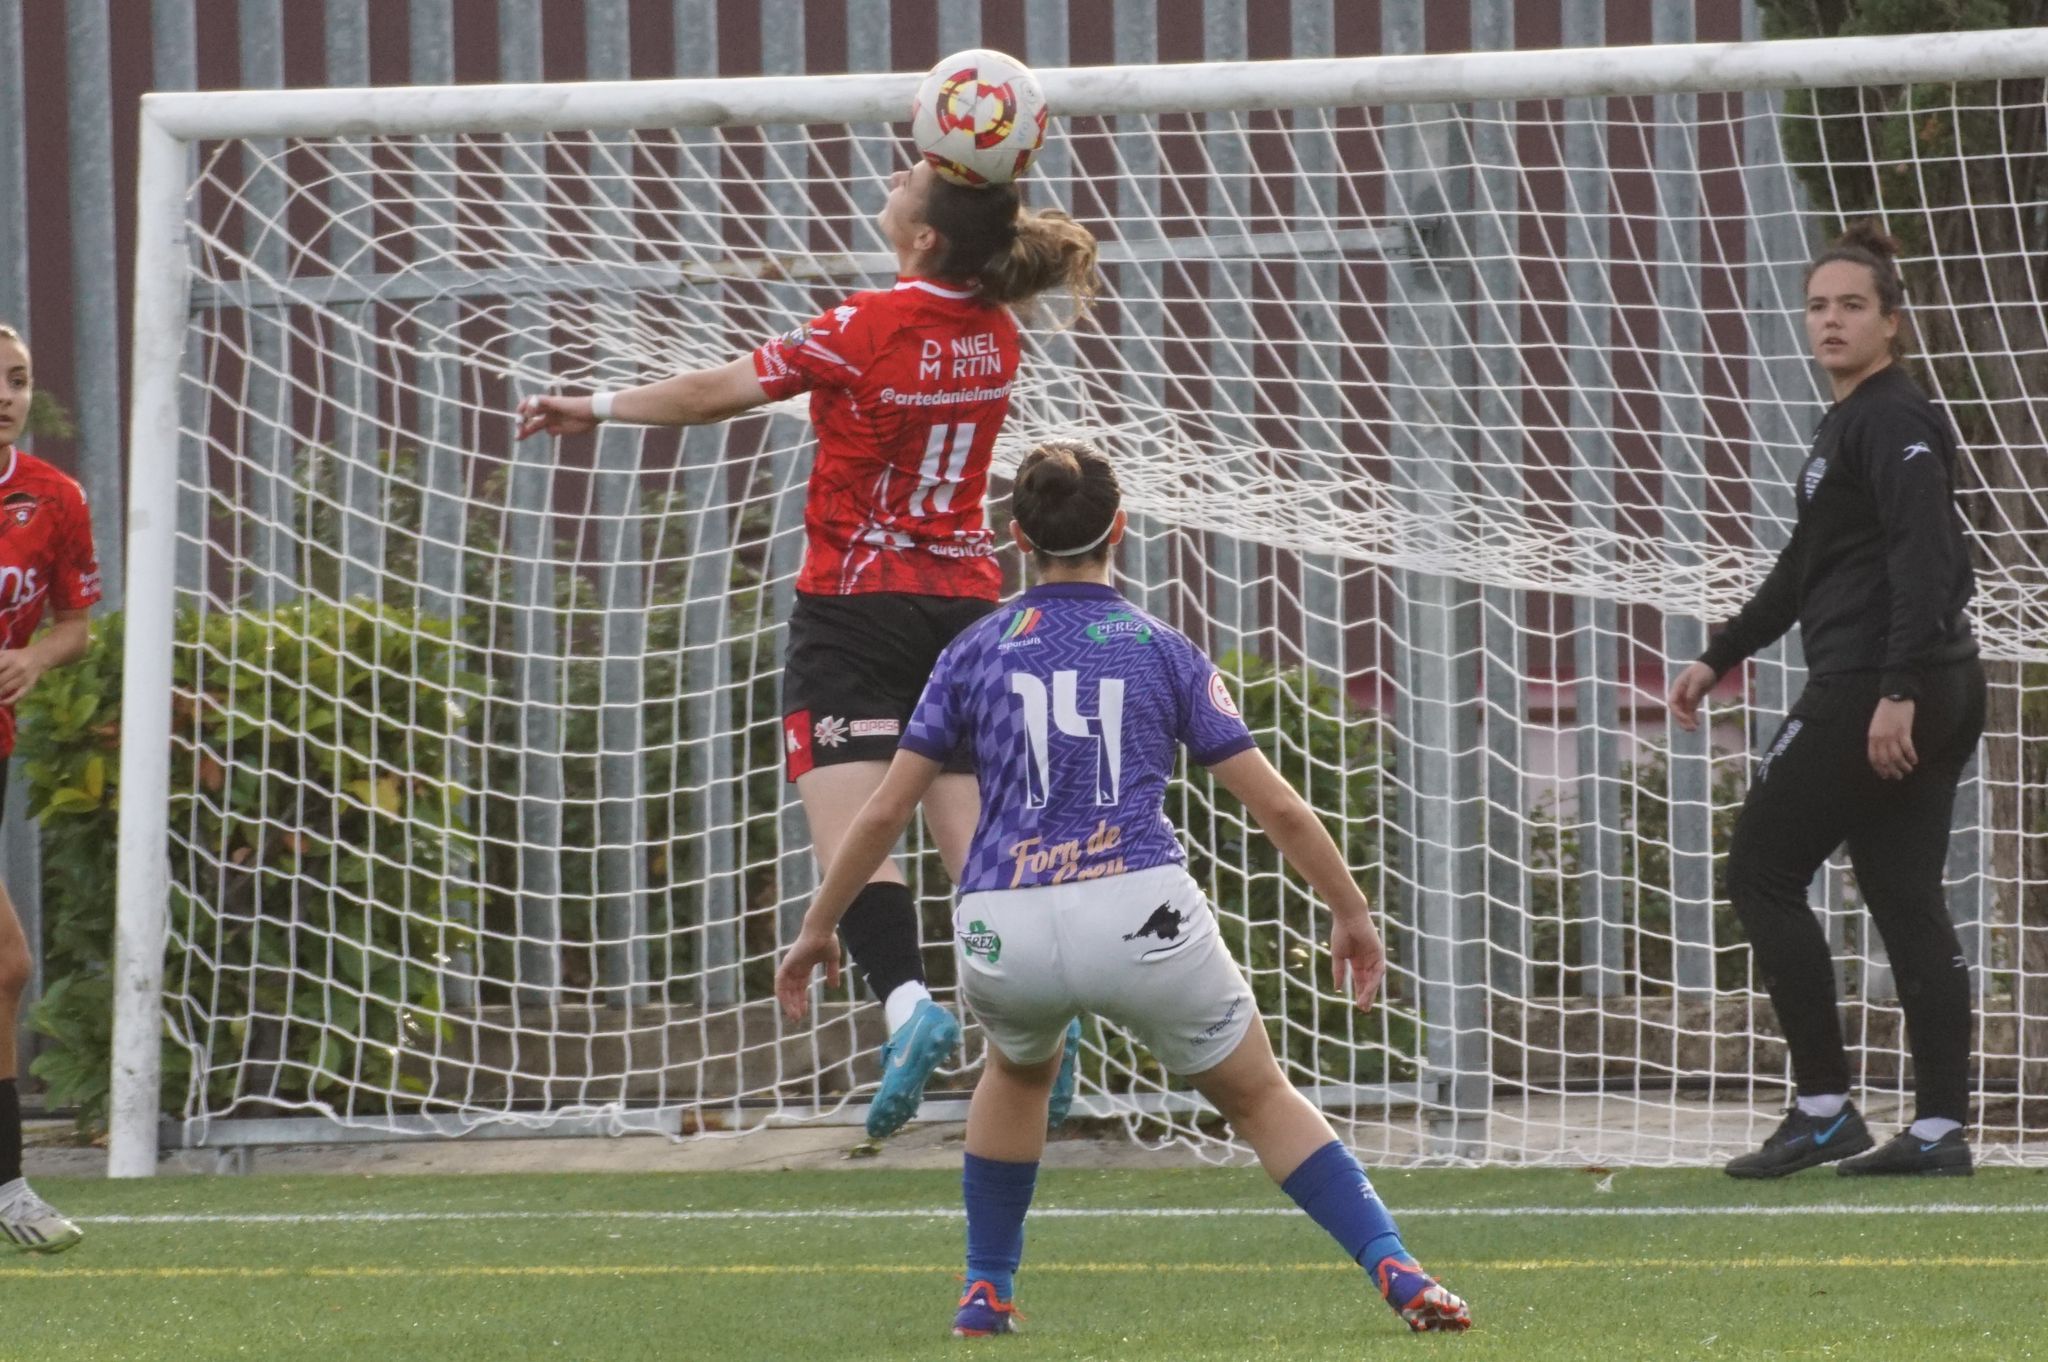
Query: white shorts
{"points": [[1141, 949]]}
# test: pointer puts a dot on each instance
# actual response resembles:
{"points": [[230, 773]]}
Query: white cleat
{"points": [[31, 1224]]}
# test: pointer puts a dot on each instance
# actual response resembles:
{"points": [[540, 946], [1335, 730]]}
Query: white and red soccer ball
{"points": [[979, 118]]}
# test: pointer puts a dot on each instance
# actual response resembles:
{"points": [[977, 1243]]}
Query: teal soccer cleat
{"points": [[919, 1046], [1068, 1079]]}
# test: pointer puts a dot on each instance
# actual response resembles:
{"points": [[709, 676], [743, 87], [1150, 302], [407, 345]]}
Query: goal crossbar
{"points": [[1105, 91]]}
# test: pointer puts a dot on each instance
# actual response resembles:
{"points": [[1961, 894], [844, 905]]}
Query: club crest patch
{"points": [[1219, 695], [20, 507]]}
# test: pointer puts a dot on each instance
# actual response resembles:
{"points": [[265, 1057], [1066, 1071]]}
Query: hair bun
{"points": [[1868, 236]]}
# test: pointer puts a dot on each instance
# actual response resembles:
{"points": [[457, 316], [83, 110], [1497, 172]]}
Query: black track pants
{"points": [[1813, 791]]}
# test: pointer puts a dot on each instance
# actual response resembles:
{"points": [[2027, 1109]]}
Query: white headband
{"points": [[1088, 547]]}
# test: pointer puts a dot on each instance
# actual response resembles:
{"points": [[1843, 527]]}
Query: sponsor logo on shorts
{"points": [[797, 758], [1166, 924], [1119, 626], [979, 940], [1216, 1028], [829, 731], [875, 728]]}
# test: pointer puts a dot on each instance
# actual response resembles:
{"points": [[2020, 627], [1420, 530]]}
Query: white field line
{"points": [[1410, 1212]]}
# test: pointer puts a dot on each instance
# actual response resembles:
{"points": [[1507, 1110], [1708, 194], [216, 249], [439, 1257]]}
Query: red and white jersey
{"points": [[909, 387], [46, 554]]}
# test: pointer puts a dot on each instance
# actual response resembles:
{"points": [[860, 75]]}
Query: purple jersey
{"points": [[1075, 702]]}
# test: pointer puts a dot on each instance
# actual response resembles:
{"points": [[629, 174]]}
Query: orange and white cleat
{"points": [[982, 1315], [1426, 1304]]}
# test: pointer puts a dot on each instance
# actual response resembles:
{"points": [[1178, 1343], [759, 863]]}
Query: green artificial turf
{"points": [[571, 1266]]}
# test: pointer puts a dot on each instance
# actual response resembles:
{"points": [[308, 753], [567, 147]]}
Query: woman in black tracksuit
{"points": [[1877, 576]]}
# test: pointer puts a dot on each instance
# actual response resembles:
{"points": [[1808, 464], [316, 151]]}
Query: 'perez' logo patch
{"points": [[979, 940], [1219, 695], [829, 731], [1121, 625]]}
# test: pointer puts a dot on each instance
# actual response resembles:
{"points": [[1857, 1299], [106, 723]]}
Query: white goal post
{"points": [[1452, 394]]}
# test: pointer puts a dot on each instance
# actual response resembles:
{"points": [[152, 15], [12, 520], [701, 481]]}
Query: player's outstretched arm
{"points": [[868, 842], [697, 398], [1292, 826]]}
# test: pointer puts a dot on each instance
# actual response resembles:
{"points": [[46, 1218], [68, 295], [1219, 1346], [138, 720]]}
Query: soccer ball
{"points": [[979, 118]]}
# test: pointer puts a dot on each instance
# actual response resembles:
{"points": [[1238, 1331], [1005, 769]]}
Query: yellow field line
{"points": [[584, 1270]]}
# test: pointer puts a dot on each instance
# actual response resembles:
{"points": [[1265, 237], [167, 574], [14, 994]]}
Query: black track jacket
{"points": [[1876, 573]]}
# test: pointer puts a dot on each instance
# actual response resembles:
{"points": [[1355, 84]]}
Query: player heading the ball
{"points": [[1076, 896], [909, 387]]}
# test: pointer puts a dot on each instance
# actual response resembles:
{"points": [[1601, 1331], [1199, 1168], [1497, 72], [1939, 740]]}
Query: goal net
{"points": [[1452, 398]]}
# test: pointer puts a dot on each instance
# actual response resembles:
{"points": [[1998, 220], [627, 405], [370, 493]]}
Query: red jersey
{"points": [[909, 387], [46, 555]]}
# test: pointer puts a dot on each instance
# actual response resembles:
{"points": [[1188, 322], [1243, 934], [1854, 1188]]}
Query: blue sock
{"points": [[997, 1196], [1334, 1190]]}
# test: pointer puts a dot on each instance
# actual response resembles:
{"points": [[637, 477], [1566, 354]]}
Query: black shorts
{"points": [[854, 669]]}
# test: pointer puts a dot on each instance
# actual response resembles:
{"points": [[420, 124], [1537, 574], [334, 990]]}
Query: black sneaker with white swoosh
{"points": [[1907, 1155], [1803, 1141]]}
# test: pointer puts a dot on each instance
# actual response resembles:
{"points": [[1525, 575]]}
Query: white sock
{"points": [[1928, 1129], [1825, 1107], [901, 1002]]}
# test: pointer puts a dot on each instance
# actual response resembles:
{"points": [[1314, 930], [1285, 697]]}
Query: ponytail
{"points": [[1013, 252], [1050, 251]]}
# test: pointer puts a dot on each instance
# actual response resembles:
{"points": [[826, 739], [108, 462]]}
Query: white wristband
{"points": [[601, 406]]}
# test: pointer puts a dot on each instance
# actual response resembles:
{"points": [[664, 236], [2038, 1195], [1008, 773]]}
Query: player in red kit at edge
{"points": [[909, 388], [46, 562]]}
